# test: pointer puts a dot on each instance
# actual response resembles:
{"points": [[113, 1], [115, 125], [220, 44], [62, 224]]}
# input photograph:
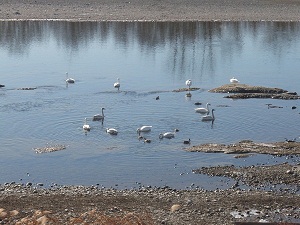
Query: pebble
{"points": [[175, 207]]}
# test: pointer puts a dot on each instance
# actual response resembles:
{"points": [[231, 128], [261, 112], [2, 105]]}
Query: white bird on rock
{"points": [[234, 80], [188, 83], [117, 84]]}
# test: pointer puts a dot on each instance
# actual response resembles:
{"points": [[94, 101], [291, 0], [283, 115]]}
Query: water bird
{"points": [[290, 140], [167, 134], [117, 84], [187, 142], [144, 129], [86, 126], [234, 80], [147, 140], [188, 83], [112, 131], [2, 85], [209, 117], [157, 98], [98, 117], [203, 110], [140, 137], [198, 103], [294, 107], [69, 80]]}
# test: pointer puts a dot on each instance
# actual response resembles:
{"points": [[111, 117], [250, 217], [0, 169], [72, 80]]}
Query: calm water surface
{"points": [[151, 59]]}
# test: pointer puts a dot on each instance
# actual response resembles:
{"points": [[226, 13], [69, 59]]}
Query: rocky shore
{"points": [[92, 205]]}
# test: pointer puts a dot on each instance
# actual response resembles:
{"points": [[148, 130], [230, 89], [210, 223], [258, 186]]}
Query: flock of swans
{"points": [[147, 128]]}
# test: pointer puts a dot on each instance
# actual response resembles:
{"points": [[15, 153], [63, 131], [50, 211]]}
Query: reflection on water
{"points": [[151, 59], [192, 45]]}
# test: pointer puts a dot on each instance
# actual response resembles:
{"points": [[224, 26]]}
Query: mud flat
{"points": [[242, 91]]}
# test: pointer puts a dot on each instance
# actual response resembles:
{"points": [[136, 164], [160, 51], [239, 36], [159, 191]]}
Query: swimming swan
{"points": [[117, 84], [144, 129], [209, 117], [69, 80], [167, 134], [98, 117], [203, 110], [234, 80], [86, 126], [112, 131]]}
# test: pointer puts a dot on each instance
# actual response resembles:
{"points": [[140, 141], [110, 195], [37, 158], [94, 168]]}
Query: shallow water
{"points": [[151, 59]]}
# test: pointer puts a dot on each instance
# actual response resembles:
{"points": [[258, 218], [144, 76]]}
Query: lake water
{"points": [[151, 59]]}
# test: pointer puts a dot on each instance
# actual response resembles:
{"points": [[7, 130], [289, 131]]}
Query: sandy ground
{"points": [[157, 10], [31, 204]]}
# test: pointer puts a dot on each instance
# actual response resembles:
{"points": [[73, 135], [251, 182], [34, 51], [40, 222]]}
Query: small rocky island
{"points": [[243, 91]]}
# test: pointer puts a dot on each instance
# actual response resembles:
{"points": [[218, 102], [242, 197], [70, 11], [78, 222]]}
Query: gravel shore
{"points": [[33, 204], [153, 10], [93, 205]]}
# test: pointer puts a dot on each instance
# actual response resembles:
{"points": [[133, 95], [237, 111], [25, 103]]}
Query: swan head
{"points": [[161, 136]]}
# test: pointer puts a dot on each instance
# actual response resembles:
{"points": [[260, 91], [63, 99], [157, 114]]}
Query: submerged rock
{"points": [[186, 89], [49, 149]]}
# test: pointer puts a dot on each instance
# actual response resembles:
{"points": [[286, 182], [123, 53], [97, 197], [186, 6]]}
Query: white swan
{"points": [[234, 80], [144, 129], [167, 135], [209, 117], [203, 110], [188, 83], [117, 84], [98, 116], [112, 131], [69, 80], [86, 126]]}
